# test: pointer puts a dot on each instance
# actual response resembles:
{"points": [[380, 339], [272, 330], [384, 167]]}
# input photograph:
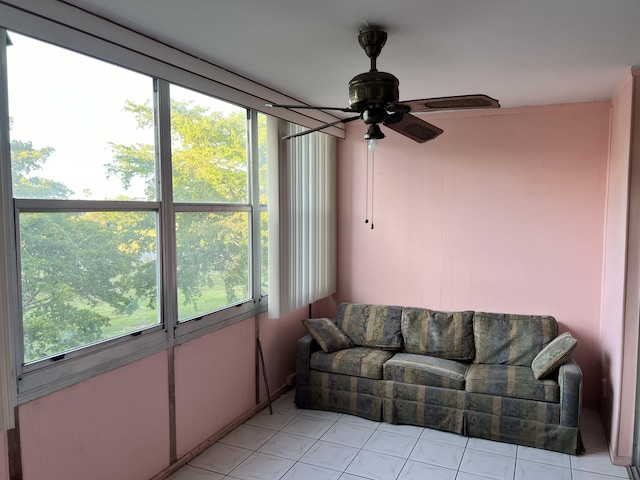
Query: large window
{"points": [[139, 210]]}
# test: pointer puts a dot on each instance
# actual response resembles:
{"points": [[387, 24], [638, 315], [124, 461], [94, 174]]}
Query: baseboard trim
{"points": [[182, 461]]}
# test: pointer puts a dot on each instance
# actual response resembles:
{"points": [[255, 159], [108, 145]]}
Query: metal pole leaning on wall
{"points": [[264, 374]]}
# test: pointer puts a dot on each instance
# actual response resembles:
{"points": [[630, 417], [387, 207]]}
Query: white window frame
{"points": [[44, 376]]}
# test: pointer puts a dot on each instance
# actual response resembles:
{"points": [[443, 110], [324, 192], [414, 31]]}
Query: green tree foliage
{"points": [[82, 271], [209, 162], [24, 161]]}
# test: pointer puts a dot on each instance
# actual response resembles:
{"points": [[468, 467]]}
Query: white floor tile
{"points": [[260, 466], [528, 470], [439, 454], [500, 448], [598, 462], [362, 422], [192, 473], [274, 422], [376, 466], [329, 455], [469, 476], [347, 434], [221, 458], [296, 444], [488, 465], [544, 456], [303, 471], [391, 444], [411, 430], [308, 426], [286, 404], [333, 416], [248, 436], [594, 441], [444, 437], [580, 475], [287, 445], [413, 470]]}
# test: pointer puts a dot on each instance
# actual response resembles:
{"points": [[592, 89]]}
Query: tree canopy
{"points": [[82, 271]]}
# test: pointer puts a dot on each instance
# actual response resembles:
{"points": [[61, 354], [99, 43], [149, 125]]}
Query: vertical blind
{"points": [[302, 217]]}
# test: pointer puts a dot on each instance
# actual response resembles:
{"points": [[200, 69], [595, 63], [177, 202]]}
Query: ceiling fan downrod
{"points": [[372, 39]]}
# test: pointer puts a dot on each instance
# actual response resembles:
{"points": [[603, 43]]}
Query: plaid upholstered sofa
{"points": [[503, 377]]}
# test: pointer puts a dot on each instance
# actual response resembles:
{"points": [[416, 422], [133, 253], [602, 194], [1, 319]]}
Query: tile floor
{"points": [[295, 444]]}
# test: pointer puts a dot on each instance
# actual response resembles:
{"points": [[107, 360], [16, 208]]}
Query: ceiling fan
{"points": [[374, 96]]}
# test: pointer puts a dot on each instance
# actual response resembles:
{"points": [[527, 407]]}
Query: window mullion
{"points": [[167, 249], [9, 299]]}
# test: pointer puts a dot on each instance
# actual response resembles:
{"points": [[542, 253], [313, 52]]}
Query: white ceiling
{"points": [[522, 52]]}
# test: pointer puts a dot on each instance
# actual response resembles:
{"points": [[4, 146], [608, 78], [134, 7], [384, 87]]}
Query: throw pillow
{"points": [[553, 355], [327, 334]]}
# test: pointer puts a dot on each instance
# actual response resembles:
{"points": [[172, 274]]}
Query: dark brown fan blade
{"points": [[412, 127], [321, 127], [460, 102], [307, 107]]}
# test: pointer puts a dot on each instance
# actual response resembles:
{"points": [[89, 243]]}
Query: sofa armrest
{"points": [[306, 346], [570, 381]]}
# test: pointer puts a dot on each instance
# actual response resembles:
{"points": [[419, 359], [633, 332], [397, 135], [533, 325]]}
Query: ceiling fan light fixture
{"points": [[373, 135]]}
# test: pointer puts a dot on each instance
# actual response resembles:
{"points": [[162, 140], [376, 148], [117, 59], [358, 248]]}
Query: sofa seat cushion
{"points": [[424, 370], [510, 381], [438, 334], [375, 326], [509, 339], [358, 361]]}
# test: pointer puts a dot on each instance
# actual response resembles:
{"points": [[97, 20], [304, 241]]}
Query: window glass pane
{"points": [[212, 261], [86, 277], [79, 126], [208, 149]]}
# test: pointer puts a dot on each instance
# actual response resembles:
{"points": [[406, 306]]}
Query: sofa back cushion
{"points": [[509, 339], [374, 326], [438, 334]]}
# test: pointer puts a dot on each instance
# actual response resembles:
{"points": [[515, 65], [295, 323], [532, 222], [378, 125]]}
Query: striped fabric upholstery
{"points": [[523, 431], [357, 361], [431, 415], [544, 412], [342, 401], [337, 382], [511, 381], [376, 326], [423, 370], [553, 355], [509, 339], [438, 334]]}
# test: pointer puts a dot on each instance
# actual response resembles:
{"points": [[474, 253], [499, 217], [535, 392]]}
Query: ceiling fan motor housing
{"points": [[373, 89]]}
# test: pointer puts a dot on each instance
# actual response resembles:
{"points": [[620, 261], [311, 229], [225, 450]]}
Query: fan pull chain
{"points": [[366, 203], [373, 170]]}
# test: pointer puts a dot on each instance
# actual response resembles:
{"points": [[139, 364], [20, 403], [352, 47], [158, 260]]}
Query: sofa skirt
{"points": [[529, 433]]}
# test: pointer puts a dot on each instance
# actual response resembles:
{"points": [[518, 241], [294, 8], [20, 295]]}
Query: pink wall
{"points": [[111, 426], [214, 383], [615, 258], [621, 284], [279, 341], [215, 374], [503, 212], [4, 467], [116, 425]]}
